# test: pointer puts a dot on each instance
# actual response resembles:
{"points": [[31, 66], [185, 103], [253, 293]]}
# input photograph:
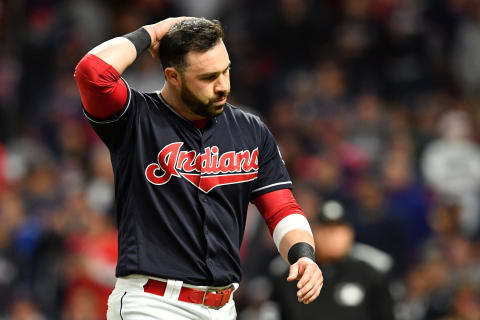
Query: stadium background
{"points": [[373, 102]]}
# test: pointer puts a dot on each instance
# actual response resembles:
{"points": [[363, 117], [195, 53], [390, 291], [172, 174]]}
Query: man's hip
{"points": [[138, 297]]}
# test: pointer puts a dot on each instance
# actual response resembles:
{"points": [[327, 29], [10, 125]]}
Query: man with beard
{"points": [[186, 165]]}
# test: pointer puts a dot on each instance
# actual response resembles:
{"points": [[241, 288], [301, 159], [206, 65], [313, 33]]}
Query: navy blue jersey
{"points": [[182, 194]]}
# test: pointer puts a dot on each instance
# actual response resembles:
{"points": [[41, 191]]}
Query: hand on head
{"points": [[158, 30]]}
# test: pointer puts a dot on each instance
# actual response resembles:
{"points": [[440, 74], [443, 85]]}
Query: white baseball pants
{"points": [[128, 301]]}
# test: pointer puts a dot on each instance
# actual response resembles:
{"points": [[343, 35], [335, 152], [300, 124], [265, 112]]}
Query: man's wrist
{"points": [[300, 250], [140, 38]]}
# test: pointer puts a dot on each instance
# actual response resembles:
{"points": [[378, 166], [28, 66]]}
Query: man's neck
{"points": [[176, 103]]}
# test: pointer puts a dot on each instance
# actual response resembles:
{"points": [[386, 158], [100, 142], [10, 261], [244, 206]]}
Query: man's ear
{"points": [[173, 76]]}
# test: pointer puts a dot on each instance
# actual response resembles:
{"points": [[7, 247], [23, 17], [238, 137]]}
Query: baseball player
{"points": [[186, 166]]}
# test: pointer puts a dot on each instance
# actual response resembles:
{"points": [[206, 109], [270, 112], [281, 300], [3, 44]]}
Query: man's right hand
{"points": [[158, 30]]}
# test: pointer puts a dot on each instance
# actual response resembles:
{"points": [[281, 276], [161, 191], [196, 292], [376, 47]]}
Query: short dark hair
{"points": [[195, 34]]}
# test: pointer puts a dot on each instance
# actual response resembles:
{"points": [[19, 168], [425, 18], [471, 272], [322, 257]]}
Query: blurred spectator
{"points": [[451, 166], [99, 189], [368, 129], [441, 283], [444, 221], [83, 304], [9, 79], [3, 167], [90, 263], [405, 198], [329, 97], [356, 277], [466, 65], [377, 227], [466, 303], [25, 309], [10, 274], [425, 294]]}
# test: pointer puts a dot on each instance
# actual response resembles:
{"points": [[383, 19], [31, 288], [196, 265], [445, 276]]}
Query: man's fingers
{"points": [[293, 274], [310, 279], [159, 29], [314, 296], [154, 50], [309, 294], [310, 284], [306, 287], [306, 276]]}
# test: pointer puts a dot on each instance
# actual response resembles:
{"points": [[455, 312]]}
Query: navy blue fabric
{"points": [[172, 224]]}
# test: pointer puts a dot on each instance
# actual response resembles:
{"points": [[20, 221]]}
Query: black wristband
{"points": [[300, 250], [140, 38]]}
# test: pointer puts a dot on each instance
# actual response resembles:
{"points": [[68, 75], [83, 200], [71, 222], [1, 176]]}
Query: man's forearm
{"points": [[121, 52], [118, 52]]}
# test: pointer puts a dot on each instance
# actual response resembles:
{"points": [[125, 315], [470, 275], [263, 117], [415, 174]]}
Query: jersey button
{"points": [[209, 263]]}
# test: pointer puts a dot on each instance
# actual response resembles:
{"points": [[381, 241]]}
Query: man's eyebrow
{"points": [[208, 74]]}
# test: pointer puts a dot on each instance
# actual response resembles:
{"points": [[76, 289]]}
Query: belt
{"points": [[212, 298]]}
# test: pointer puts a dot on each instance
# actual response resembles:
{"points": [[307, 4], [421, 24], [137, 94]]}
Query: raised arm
{"points": [[102, 91], [121, 52]]}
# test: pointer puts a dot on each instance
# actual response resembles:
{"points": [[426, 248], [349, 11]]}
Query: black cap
{"points": [[332, 212]]}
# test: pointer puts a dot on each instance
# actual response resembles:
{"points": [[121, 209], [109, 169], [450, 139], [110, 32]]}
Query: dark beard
{"points": [[197, 107]]}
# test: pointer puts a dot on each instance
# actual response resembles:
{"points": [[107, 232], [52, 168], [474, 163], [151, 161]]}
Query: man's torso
{"points": [[182, 194]]}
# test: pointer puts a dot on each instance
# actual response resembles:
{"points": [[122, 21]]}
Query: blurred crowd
{"points": [[374, 104]]}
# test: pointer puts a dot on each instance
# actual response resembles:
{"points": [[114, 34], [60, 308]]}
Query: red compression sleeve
{"points": [[102, 90], [276, 205]]}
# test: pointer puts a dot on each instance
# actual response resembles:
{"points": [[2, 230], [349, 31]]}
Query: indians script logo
{"points": [[205, 171]]}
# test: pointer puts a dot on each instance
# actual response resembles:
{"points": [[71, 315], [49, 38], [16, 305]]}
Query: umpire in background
{"points": [[356, 276]]}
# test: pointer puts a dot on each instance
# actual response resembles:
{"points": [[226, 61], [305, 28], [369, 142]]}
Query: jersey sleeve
{"points": [[272, 173], [109, 104]]}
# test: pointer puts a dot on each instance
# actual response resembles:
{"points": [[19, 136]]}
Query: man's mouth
{"points": [[223, 99]]}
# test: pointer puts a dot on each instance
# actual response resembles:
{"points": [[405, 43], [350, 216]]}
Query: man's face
{"points": [[206, 81]]}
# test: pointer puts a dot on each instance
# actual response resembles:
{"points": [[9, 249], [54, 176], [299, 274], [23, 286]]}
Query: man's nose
{"points": [[222, 84]]}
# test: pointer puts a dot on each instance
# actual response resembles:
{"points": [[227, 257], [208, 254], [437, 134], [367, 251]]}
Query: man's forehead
{"points": [[214, 60]]}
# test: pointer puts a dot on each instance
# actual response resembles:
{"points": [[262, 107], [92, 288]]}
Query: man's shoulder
{"points": [[242, 115], [150, 98]]}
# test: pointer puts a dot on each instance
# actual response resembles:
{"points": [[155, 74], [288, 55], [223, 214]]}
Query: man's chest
{"points": [[206, 159]]}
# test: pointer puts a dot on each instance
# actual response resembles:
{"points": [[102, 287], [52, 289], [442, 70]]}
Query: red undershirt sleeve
{"points": [[102, 90], [281, 213], [276, 205]]}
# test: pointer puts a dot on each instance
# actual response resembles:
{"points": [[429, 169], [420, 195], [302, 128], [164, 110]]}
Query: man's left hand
{"points": [[310, 279]]}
